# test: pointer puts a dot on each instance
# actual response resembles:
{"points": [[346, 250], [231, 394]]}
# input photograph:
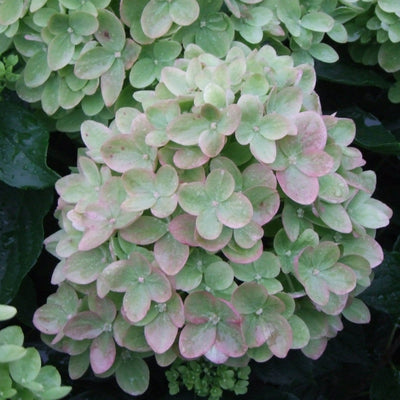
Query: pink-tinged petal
{"points": [[216, 356], [84, 267], [136, 303], [230, 340], [186, 129], [239, 255], [160, 333], [207, 224], [317, 290], [211, 143], [102, 353], [281, 339], [335, 305], [175, 310], [265, 202], [335, 216], [164, 206], [315, 163], [275, 127], [166, 181], [170, 254], [138, 180], [300, 188], [248, 236], [145, 230], [85, 325], [50, 319], [235, 212], [117, 276], [340, 279], [182, 228], [356, 311], [105, 308], [193, 198], [199, 306], [258, 175], [196, 340], [217, 244], [94, 134], [315, 348], [366, 245], [190, 157], [158, 286], [93, 238], [255, 330], [230, 120], [342, 130], [67, 345], [263, 149], [251, 107], [287, 101], [124, 152], [139, 201], [111, 82], [311, 130], [220, 184]]}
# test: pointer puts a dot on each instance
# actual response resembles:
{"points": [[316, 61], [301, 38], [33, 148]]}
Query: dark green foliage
{"points": [[206, 379], [21, 234]]}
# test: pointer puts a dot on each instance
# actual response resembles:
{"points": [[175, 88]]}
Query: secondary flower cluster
{"points": [[76, 54], [224, 217]]}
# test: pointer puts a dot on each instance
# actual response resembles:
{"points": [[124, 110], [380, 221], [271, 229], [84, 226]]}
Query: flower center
{"points": [[214, 319]]}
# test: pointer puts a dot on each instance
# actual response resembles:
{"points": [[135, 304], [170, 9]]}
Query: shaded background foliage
{"points": [[362, 362]]}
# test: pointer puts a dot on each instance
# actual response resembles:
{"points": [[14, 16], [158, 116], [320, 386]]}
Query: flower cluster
{"points": [[76, 54], [224, 217]]}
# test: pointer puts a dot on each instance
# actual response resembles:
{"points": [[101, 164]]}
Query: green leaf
{"points": [[7, 312], [27, 368], [12, 335], [385, 384], [351, 74], [21, 235], [23, 147], [371, 134], [384, 292], [55, 393], [11, 352]]}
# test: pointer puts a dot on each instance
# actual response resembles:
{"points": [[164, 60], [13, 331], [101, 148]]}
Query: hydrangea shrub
{"points": [[223, 217]]}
